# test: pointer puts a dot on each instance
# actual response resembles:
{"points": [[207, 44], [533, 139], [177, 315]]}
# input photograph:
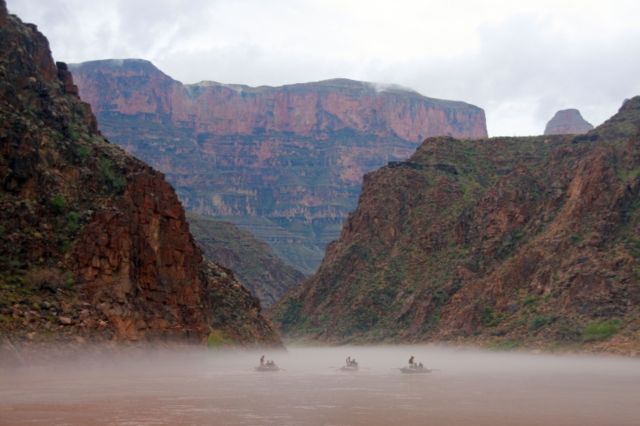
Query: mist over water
{"points": [[189, 386]]}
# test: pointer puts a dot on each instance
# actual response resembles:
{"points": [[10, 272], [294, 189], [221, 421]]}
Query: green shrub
{"points": [[539, 321], [216, 339], [74, 132], [568, 331], [291, 313], [601, 330], [633, 245], [84, 151], [58, 203], [111, 178], [505, 345], [490, 318], [69, 282], [73, 222], [531, 300]]}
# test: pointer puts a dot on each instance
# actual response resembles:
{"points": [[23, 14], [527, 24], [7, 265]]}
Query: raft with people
{"points": [[415, 370], [267, 368], [267, 365], [351, 365], [414, 367]]}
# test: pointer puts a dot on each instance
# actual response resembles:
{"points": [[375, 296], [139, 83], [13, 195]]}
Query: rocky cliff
{"points": [[252, 260], [284, 162], [567, 122], [95, 245], [504, 242]]}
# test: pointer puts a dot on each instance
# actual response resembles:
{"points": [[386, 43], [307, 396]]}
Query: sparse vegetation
{"points": [[73, 222], [58, 203], [509, 244], [47, 278], [633, 245], [490, 318], [291, 313], [216, 339], [504, 345], [567, 331], [74, 132], [539, 321], [84, 152], [110, 177], [601, 330]]}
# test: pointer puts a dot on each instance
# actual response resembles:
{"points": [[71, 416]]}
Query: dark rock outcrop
{"points": [[284, 162], [95, 244], [503, 242], [567, 122]]}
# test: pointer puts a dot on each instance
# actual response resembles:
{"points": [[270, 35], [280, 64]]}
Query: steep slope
{"points": [[95, 245], [255, 264], [501, 241], [567, 122], [284, 162]]}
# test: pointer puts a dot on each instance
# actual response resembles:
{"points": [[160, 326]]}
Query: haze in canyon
{"points": [[467, 387]]}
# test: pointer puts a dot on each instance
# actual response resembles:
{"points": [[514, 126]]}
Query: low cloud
{"points": [[519, 61]]}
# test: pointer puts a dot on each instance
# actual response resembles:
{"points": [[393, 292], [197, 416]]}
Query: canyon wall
{"points": [[284, 162], [502, 242], [252, 260], [95, 244]]}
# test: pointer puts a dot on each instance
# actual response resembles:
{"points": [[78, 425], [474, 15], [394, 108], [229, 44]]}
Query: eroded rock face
{"points": [[284, 162], [254, 263], [567, 122], [504, 241], [95, 245]]}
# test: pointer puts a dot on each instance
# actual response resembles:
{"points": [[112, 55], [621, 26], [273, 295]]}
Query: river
{"points": [[194, 387]]}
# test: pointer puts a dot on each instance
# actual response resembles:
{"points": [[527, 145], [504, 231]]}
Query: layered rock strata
{"points": [[284, 162]]}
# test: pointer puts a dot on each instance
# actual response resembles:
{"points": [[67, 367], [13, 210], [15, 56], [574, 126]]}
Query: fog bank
{"points": [[187, 386]]}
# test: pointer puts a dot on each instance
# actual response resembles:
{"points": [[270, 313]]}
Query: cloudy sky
{"points": [[519, 60]]}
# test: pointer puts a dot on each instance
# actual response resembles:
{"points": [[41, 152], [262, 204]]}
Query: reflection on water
{"points": [[196, 387]]}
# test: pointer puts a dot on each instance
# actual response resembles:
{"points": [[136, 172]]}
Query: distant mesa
{"points": [[567, 122]]}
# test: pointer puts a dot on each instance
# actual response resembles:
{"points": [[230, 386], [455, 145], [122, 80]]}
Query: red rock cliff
{"points": [[503, 242], [137, 87], [95, 244], [286, 162]]}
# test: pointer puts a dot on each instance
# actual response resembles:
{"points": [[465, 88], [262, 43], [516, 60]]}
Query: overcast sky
{"points": [[520, 61]]}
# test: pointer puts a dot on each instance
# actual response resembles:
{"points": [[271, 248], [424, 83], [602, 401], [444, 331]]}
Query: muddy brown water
{"points": [[183, 387]]}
